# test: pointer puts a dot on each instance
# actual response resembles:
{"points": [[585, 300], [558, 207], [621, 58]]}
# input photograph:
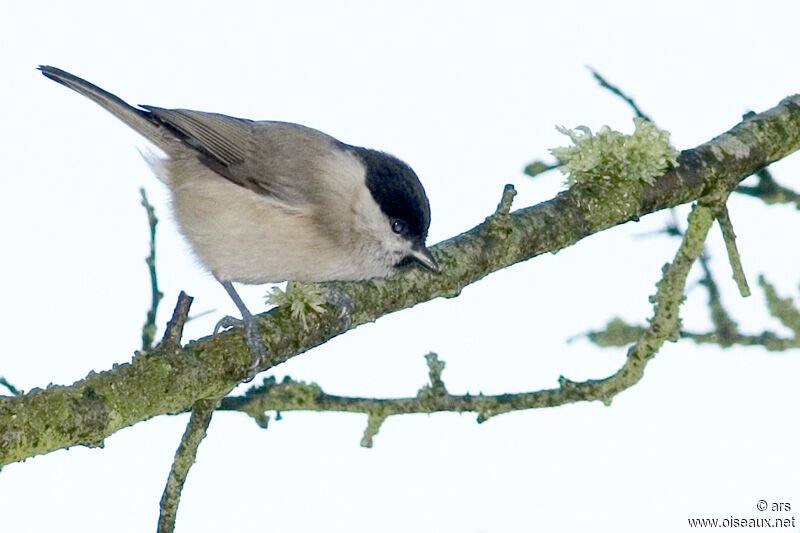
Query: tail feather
{"points": [[141, 121]]}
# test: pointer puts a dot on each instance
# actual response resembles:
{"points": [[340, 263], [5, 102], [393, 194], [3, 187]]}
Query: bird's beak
{"points": [[424, 257]]}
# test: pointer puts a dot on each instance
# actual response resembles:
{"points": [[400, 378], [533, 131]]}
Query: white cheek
{"points": [[370, 222]]}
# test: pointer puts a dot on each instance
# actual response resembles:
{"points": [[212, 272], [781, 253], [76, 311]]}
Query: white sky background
{"points": [[467, 93]]}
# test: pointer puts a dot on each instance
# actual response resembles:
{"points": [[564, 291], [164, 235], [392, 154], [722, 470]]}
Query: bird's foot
{"points": [[252, 338], [341, 301]]}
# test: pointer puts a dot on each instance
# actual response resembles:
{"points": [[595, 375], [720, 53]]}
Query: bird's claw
{"points": [[228, 322], [341, 301], [252, 338]]}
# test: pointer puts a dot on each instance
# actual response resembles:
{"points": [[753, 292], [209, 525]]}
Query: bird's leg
{"points": [[250, 325], [341, 301]]}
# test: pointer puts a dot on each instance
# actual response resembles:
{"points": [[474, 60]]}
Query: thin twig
{"points": [[769, 191], [537, 167], [784, 309], [11, 388], [618, 92], [202, 411], [293, 396], [733, 254], [46, 420], [504, 207], [149, 329], [618, 333], [174, 331], [725, 328], [534, 168], [184, 459]]}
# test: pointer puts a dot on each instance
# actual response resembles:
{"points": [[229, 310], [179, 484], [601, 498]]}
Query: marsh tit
{"points": [[264, 201]]}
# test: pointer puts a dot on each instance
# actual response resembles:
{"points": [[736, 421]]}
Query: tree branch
{"points": [[618, 333], [155, 383], [616, 90], [196, 429], [725, 224], [174, 331], [184, 459], [295, 396], [769, 191]]}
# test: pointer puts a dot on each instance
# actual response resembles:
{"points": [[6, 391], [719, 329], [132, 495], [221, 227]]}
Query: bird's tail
{"points": [[138, 119]]}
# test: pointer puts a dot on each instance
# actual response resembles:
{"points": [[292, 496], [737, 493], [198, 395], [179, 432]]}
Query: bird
{"points": [[266, 201]]}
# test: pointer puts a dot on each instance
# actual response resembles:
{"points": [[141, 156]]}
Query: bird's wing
{"points": [[274, 159], [221, 137], [286, 162]]}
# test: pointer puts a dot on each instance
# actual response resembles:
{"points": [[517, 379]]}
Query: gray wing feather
{"points": [[224, 138], [137, 119], [276, 159]]}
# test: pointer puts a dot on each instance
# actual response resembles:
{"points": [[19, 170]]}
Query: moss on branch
{"points": [[171, 381]]}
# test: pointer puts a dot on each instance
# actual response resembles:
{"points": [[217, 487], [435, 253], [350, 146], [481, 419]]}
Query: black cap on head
{"points": [[397, 190]]}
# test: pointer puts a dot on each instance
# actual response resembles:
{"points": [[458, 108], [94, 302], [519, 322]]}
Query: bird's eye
{"points": [[398, 226]]}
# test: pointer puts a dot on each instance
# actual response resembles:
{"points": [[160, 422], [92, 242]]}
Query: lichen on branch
{"points": [[612, 155], [434, 396], [155, 383]]}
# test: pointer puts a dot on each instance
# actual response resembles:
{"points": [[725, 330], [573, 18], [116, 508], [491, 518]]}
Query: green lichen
{"points": [[784, 309], [617, 333], [435, 369], [428, 394], [610, 154], [374, 422], [304, 301], [290, 393], [486, 407]]}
